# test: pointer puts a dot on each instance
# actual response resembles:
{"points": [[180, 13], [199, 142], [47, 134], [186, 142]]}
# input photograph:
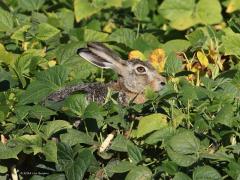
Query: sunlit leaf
{"points": [[150, 123]]}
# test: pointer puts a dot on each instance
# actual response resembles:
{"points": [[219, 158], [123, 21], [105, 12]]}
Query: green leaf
{"points": [[141, 10], [46, 31], [76, 103], [6, 57], [225, 115], [73, 137], [8, 151], [20, 33], [160, 135], [29, 140], [209, 13], [173, 64], [76, 169], [170, 167], [52, 127], [66, 19], [122, 166], [151, 123], [124, 36], [54, 77], [95, 36], [3, 169], [40, 112], [6, 21], [185, 143], [177, 117], [181, 176], [178, 12], [84, 9], [116, 121], [206, 172], [184, 14], [176, 45], [57, 176], [140, 172], [30, 143], [233, 169], [47, 81], [134, 153], [35, 92], [94, 111], [31, 5], [64, 154], [7, 76], [188, 92], [183, 148], [50, 151], [181, 159], [67, 54], [113, 3], [197, 38], [119, 143], [231, 43]]}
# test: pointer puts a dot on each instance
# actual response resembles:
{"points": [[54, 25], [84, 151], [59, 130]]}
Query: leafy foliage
{"points": [[190, 129]]}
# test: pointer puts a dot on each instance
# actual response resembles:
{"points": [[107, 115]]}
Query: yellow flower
{"points": [[157, 59], [135, 54]]}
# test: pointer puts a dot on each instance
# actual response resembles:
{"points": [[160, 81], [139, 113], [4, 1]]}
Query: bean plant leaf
{"points": [[184, 14], [181, 176], [54, 126], [134, 153], [47, 82], [46, 31], [73, 137], [183, 148], [141, 10], [173, 64], [206, 172], [150, 123], [123, 166], [6, 20], [31, 5], [84, 9], [140, 172], [231, 43], [8, 152], [124, 36]]}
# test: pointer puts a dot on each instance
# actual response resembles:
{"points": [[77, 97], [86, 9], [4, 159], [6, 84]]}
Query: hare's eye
{"points": [[141, 69]]}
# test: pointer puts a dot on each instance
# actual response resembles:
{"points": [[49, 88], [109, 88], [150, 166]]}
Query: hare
{"points": [[134, 77]]}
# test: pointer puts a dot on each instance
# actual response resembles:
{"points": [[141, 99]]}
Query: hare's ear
{"points": [[93, 58], [101, 56]]}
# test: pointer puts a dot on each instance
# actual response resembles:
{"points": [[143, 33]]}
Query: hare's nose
{"points": [[162, 81]]}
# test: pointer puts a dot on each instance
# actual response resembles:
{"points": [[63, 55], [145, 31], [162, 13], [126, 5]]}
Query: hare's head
{"points": [[135, 75]]}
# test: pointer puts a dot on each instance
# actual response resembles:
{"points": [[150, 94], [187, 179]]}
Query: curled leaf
{"points": [[202, 59]]}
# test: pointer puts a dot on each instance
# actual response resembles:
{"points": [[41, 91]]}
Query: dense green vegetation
{"points": [[189, 130]]}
